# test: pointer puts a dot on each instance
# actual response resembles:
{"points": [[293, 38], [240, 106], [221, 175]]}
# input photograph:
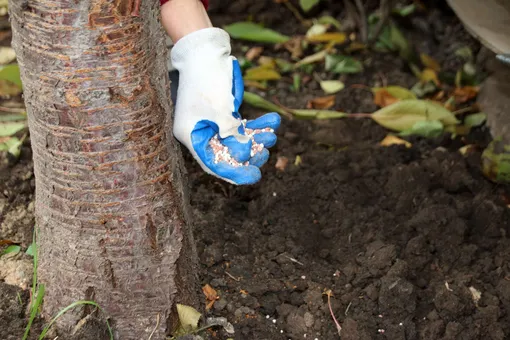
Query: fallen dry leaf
{"points": [[254, 83], [429, 74], [295, 47], [244, 292], [211, 295], [261, 73], [281, 163], [430, 62], [321, 103], [334, 37], [254, 52], [394, 140], [463, 94], [267, 62], [383, 98]]}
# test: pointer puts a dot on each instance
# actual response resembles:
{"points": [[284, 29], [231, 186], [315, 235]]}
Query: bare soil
{"points": [[405, 238]]}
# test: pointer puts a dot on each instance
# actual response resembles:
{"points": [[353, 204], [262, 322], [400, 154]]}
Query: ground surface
{"points": [[403, 237]]}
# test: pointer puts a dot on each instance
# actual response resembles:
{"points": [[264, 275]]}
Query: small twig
{"points": [[385, 11], [11, 110], [362, 23], [352, 15], [463, 110], [347, 309], [156, 327], [359, 115], [232, 276], [338, 327], [384, 80], [296, 13], [293, 259], [286, 111]]}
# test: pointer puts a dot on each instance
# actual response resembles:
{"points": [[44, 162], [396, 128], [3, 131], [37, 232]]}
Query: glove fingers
{"points": [[260, 158], [269, 120], [237, 86], [240, 151], [241, 175], [266, 138]]}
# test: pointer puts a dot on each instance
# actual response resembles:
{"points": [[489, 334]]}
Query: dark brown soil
{"points": [[403, 237]]}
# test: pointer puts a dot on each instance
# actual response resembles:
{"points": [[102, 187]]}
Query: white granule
{"points": [[221, 153]]}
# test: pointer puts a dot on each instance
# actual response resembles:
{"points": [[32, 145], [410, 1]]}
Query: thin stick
{"points": [[384, 9], [296, 13], [338, 327], [363, 25], [156, 327], [232, 276]]}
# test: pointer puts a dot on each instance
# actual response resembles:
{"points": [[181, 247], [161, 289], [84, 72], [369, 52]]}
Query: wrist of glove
{"points": [[207, 119]]}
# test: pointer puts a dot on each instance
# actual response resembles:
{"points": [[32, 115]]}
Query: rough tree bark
{"points": [[110, 201]]}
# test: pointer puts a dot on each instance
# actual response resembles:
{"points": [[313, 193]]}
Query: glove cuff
{"points": [[204, 44]]}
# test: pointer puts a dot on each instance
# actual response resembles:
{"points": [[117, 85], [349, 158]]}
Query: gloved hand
{"points": [[206, 118]]}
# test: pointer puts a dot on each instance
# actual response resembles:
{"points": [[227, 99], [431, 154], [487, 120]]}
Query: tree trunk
{"points": [[111, 209]]}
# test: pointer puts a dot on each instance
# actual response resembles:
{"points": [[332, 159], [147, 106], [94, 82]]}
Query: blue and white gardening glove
{"points": [[206, 118]]}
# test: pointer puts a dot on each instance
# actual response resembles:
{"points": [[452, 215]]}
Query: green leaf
{"points": [[30, 250], [13, 249], [253, 32], [259, 102], [10, 128], [284, 65], [11, 73], [12, 117], [405, 10], [475, 119], [329, 20], [421, 89], [307, 5], [34, 308], [400, 42], [425, 128], [496, 161], [318, 114], [404, 114], [465, 53], [296, 82], [188, 317], [343, 64], [332, 86], [397, 92], [12, 146], [71, 306]]}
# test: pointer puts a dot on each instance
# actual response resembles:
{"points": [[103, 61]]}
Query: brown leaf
{"points": [[281, 163], [383, 98], [6, 242], [430, 62], [210, 293], [295, 47], [463, 94], [394, 140], [321, 103], [254, 52]]}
